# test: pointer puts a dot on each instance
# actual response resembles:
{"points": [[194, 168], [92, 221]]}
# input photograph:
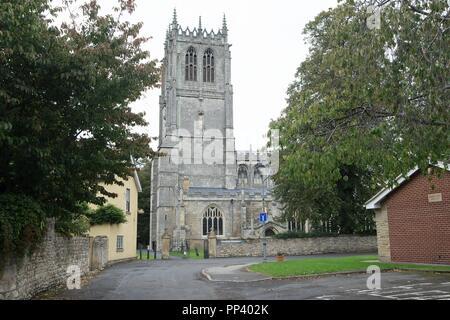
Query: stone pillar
{"points": [[165, 248], [384, 246], [212, 244], [98, 252]]}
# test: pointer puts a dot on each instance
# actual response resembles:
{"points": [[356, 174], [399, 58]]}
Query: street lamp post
{"points": [[183, 190], [150, 243], [264, 241]]}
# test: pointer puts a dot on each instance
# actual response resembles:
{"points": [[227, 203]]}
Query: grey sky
{"points": [[267, 47]]}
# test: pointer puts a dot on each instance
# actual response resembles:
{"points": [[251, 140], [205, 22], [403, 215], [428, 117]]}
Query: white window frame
{"points": [[119, 243]]}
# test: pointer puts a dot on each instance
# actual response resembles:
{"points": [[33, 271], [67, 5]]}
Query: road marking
{"points": [[416, 291], [329, 297], [417, 295]]}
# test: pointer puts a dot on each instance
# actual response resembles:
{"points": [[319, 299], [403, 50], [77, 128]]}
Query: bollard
{"points": [[265, 249], [205, 249]]}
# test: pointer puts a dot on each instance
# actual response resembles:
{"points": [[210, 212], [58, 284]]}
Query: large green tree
{"points": [[375, 100], [65, 92]]}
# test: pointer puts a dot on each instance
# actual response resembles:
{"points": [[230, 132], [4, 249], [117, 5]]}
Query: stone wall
{"points": [[46, 267], [294, 247]]}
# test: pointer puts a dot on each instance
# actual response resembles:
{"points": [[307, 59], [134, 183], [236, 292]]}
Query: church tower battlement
{"points": [[197, 33]]}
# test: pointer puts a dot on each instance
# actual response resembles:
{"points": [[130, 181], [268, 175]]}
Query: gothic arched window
{"points": [[208, 66], [212, 219], [242, 175], [190, 65], [258, 175]]}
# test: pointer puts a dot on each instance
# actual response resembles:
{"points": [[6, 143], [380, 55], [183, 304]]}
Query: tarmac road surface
{"points": [[182, 279]]}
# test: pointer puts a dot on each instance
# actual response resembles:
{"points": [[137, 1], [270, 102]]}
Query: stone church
{"points": [[200, 182]]}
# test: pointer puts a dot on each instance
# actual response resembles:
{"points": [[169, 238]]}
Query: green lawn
{"points": [[191, 254], [144, 255], [313, 266]]}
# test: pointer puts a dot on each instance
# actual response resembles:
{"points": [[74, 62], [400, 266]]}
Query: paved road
{"points": [[182, 279]]}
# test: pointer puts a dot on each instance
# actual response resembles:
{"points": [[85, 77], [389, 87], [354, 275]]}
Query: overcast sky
{"points": [[267, 47]]}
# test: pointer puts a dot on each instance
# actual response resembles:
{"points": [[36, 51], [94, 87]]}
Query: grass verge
{"points": [[190, 255], [317, 266]]}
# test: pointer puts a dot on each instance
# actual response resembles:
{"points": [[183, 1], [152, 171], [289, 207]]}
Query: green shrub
{"points": [[75, 224], [22, 226], [108, 214]]}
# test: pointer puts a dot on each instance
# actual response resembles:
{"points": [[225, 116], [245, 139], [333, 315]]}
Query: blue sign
{"points": [[263, 217]]}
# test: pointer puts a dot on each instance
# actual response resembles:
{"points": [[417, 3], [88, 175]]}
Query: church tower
{"points": [[196, 123]]}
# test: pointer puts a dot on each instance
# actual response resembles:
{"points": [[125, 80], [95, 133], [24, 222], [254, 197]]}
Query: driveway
{"points": [[183, 280]]}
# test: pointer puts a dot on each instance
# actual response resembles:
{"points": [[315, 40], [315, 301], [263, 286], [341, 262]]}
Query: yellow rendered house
{"points": [[121, 237]]}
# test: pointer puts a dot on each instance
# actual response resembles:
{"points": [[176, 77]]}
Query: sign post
{"points": [[263, 220], [263, 217]]}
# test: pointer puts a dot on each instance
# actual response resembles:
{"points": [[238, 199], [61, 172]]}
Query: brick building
{"points": [[413, 218]]}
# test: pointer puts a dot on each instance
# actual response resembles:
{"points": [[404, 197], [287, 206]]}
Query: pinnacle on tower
{"points": [[167, 35], [174, 21], [224, 26], [200, 23]]}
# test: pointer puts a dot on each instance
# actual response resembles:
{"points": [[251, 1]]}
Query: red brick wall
{"points": [[419, 231]]}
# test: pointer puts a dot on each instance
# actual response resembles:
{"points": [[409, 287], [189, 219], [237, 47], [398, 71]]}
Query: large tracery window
{"points": [[212, 219], [208, 66], [191, 65]]}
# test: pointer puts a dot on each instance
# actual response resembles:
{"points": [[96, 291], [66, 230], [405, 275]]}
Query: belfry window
{"points": [[212, 219], [208, 66], [190, 65]]}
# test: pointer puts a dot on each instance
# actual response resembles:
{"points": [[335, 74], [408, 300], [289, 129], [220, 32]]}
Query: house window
{"points": [[212, 219], [128, 201], [190, 65], [208, 66], [119, 244]]}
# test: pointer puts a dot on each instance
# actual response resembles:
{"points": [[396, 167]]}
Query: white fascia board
{"points": [[375, 201]]}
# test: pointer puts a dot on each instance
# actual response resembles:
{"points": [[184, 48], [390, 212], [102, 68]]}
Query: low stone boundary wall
{"points": [[46, 267], [296, 247]]}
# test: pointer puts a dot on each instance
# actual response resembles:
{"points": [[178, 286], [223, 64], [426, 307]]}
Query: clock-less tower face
{"points": [[197, 105]]}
